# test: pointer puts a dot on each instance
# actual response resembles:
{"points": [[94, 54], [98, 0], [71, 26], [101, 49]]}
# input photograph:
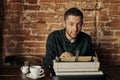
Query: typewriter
{"points": [[85, 65]]}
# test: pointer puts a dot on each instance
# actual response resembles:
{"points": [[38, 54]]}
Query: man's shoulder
{"points": [[56, 32], [83, 33]]}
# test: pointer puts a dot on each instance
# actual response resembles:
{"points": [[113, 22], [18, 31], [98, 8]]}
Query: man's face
{"points": [[73, 25]]}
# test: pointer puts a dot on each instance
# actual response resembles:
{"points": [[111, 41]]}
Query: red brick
{"points": [[107, 45], [90, 5], [89, 0], [40, 26], [11, 44], [28, 25], [117, 33], [51, 19], [81, 5], [106, 6], [108, 33], [41, 38], [103, 13], [103, 18], [31, 7], [40, 32], [58, 1], [33, 17], [12, 17], [115, 25], [16, 26], [15, 51], [90, 18], [47, 0], [7, 7], [109, 51], [88, 25], [110, 40], [61, 19], [16, 7], [115, 13], [117, 45], [7, 26], [44, 6], [53, 27], [30, 38], [38, 50], [14, 20], [59, 13], [34, 44], [41, 20], [15, 1], [35, 26], [43, 14], [89, 14], [105, 56], [12, 14], [105, 1], [32, 1], [18, 32], [114, 7], [59, 6], [15, 38], [115, 1]]}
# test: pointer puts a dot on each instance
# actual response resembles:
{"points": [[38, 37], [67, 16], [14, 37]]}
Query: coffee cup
{"points": [[25, 69], [36, 71]]}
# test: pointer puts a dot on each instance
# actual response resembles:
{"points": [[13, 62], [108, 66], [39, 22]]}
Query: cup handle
{"points": [[41, 71]]}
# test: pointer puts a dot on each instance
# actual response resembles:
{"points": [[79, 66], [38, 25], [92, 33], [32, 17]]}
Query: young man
{"points": [[66, 42]]}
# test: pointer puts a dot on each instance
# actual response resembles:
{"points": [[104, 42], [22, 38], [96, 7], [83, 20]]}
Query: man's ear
{"points": [[82, 22]]}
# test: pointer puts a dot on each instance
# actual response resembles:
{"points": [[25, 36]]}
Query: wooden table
{"points": [[14, 73]]}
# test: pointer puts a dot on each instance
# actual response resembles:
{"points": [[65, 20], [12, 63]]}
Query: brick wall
{"points": [[27, 24], [1, 29]]}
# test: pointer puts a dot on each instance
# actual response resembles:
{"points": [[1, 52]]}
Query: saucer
{"points": [[29, 75]]}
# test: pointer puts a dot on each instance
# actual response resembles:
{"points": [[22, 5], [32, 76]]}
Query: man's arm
{"points": [[89, 50], [50, 51]]}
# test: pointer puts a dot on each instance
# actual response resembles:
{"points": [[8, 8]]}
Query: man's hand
{"points": [[66, 54]]}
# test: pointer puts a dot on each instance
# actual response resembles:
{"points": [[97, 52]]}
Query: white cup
{"points": [[36, 71], [25, 69]]}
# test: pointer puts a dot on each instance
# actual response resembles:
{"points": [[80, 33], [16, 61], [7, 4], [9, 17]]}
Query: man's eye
{"points": [[71, 24]]}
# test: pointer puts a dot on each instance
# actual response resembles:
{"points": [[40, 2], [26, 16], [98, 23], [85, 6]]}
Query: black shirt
{"points": [[57, 43]]}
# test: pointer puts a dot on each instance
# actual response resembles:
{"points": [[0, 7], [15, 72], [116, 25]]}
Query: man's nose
{"points": [[75, 27]]}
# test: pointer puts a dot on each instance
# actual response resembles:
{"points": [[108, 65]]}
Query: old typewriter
{"points": [[84, 65]]}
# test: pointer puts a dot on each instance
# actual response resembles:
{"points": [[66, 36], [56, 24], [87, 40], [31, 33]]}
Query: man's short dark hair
{"points": [[74, 12]]}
